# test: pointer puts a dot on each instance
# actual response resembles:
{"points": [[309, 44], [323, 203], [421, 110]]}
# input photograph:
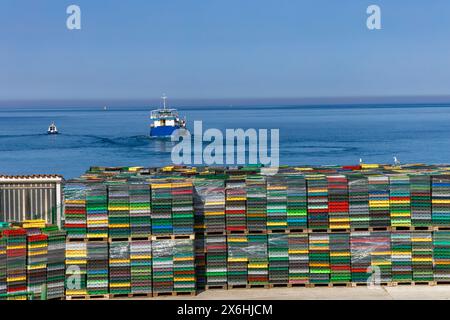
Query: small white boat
{"points": [[52, 129]]}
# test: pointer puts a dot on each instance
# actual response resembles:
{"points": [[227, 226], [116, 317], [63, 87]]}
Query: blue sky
{"points": [[139, 49]]}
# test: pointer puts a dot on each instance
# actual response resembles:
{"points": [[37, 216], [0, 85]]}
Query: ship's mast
{"points": [[164, 97]]}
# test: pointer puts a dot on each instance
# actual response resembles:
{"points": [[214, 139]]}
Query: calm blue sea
{"points": [[308, 135]]}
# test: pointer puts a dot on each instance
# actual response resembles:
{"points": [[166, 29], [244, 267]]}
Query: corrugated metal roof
{"points": [[31, 178]]}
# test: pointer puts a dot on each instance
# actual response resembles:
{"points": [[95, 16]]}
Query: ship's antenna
{"points": [[396, 161], [164, 97]]}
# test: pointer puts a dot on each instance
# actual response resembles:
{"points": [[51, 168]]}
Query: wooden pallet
{"points": [[216, 287], [237, 286], [364, 284], [371, 229], [174, 237], [130, 295], [174, 293], [438, 228], [412, 228], [214, 233], [413, 283], [85, 240], [88, 297], [140, 238], [258, 286], [440, 283]]}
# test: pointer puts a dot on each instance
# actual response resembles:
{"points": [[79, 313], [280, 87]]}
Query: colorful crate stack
{"points": [[298, 258], [440, 200], [16, 263], [420, 189], [358, 193], [340, 258], [237, 260], [97, 211], [379, 201], [276, 203], [441, 255], [361, 248], [184, 265], [400, 201], [3, 287], [182, 207], [338, 202], [256, 203], [209, 204], [141, 266], [161, 207], [422, 256], [55, 262], [163, 266], [402, 268], [37, 252], [235, 204], [76, 268], [319, 258], [118, 210], [296, 201], [119, 268], [216, 260], [317, 201], [140, 210], [278, 249], [75, 210], [381, 255], [258, 264], [97, 271]]}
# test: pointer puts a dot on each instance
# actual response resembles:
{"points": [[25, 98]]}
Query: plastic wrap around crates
{"points": [[256, 189], [209, 204], [141, 266], [298, 258], [184, 279], [75, 209], [358, 193], [276, 202], [163, 265], [278, 250], [235, 204], [237, 260], [119, 267], [258, 260]]}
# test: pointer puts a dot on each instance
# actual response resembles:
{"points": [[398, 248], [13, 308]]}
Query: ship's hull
{"points": [[163, 131]]}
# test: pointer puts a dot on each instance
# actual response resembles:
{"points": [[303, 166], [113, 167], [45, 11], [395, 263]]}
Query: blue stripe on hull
{"points": [[164, 131]]}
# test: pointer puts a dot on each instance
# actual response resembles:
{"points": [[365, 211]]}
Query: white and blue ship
{"points": [[165, 121]]}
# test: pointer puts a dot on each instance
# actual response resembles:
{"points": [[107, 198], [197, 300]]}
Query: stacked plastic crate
{"points": [[75, 209], [340, 257], [381, 255], [361, 248], [256, 203], [422, 256], [258, 264], [440, 200], [97, 211], [420, 188], [209, 204], [319, 258], [16, 259], [55, 262], [338, 202], [163, 266], [317, 201], [140, 210], [296, 202], [358, 192], [118, 210], [276, 202], [97, 272], [182, 207], [141, 266], [161, 190], [379, 201], [235, 204], [298, 258], [237, 260], [37, 252], [3, 287], [184, 266], [441, 255], [216, 260], [76, 267], [400, 200], [402, 268], [278, 249], [119, 268]]}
